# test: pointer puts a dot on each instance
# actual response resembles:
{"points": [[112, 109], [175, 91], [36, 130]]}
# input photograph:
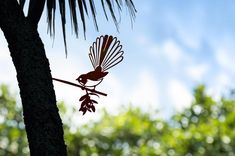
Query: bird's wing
{"points": [[106, 52]]}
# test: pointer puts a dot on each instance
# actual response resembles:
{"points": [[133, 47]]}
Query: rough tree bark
{"points": [[41, 117]]}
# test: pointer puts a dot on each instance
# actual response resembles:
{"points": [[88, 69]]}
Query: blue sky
{"points": [[172, 47]]}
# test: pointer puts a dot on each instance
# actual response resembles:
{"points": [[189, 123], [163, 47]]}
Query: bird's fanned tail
{"points": [[106, 52]]}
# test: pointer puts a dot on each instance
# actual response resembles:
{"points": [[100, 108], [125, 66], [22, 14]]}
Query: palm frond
{"points": [[92, 6], [51, 6], [111, 9], [131, 8], [73, 16], [103, 6], [81, 4], [84, 11], [22, 2], [119, 4], [63, 21]]}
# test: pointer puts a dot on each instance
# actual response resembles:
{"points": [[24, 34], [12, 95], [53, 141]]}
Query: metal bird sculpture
{"points": [[105, 53]]}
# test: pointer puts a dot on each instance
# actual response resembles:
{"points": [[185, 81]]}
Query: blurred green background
{"points": [[205, 128]]}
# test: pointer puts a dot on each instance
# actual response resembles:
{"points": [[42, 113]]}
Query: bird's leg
{"points": [[97, 84], [83, 87]]}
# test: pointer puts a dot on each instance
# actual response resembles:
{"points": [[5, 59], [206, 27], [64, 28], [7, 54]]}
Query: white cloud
{"points": [[169, 50], [112, 86], [191, 39], [4, 54], [145, 91], [225, 57], [172, 51], [223, 79], [197, 72], [142, 40], [180, 96], [222, 82], [189, 31], [7, 69]]}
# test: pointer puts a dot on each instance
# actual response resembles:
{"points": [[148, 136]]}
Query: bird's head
{"points": [[82, 79]]}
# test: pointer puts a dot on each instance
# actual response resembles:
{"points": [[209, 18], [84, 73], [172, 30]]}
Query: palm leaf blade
{"points": [[93, 10], [73, 16], [80, 5], [63, 22], [83, 11]]}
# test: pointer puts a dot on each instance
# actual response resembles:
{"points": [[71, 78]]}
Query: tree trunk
{"points": [[41, 117]]}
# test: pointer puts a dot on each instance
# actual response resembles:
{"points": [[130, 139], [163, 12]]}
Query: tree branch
{"points": [[82, 87]]}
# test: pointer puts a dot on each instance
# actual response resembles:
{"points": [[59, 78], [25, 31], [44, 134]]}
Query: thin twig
{"points": [[82, 87]]}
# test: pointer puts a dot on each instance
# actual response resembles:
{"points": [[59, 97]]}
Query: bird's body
{"points": [[104, 54], [96, 74], [92, 78]]}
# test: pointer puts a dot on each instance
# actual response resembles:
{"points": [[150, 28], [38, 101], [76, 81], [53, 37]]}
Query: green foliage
{"points": [[13, 140], [207, 127]]}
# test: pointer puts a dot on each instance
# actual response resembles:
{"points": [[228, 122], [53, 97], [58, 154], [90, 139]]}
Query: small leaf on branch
{"points": [[83, 97], [93, 108], [93, 101]]}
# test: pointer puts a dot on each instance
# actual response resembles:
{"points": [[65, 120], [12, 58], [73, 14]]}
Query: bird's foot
{"points": [[94, 88], [83, 87]]}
